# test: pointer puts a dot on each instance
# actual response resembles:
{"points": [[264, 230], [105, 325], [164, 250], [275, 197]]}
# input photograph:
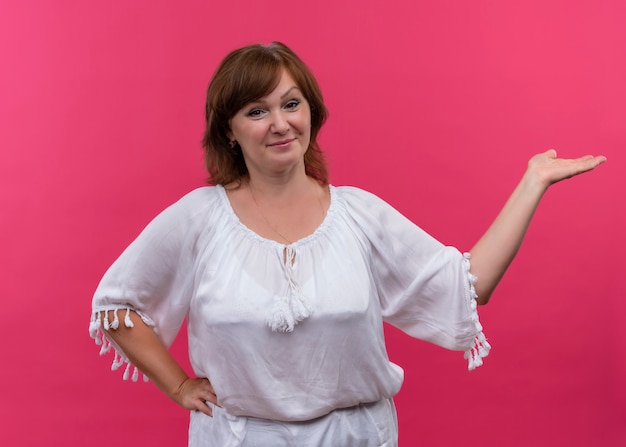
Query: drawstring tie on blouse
{"points": [[292, 308]]}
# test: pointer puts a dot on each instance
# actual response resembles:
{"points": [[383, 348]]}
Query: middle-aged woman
{"points": [[286, 280]]}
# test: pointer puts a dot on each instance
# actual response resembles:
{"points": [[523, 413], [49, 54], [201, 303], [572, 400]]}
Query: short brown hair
{"points": [[246, 75]]}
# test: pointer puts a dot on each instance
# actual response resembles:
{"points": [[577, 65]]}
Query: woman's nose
{"points": [[279, 125]]}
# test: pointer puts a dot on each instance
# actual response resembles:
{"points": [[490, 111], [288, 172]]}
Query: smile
{"points": [[282, 143]]}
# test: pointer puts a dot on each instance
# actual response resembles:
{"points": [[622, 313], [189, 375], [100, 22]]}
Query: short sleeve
{"points": [[153, 277], [424, 287]]}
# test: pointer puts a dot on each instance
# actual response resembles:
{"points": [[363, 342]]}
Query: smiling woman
{"points": [[286, 280], [247, 75], [273, 132]]}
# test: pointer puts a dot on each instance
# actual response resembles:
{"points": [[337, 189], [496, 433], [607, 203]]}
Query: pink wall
{"points": [[435, 106]]}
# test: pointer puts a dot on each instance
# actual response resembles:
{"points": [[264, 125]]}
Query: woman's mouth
{"points": [[282, 144]]}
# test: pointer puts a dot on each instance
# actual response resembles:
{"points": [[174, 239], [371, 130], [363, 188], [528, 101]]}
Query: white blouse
{"points": [[291, 333]]}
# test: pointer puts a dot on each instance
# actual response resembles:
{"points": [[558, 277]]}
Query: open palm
{"points": [[548, 169]]}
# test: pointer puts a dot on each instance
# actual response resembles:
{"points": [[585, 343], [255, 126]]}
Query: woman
{"points": [[286, 281]]}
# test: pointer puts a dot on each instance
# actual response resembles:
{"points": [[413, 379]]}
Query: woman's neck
{"points": [[282, 189]]}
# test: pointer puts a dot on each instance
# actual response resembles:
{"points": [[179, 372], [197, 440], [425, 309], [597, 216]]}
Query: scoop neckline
{"points": [[321, 228]]}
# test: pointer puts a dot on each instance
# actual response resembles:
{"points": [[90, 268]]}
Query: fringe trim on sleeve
{"points": [[100, 324], [481, 346]]}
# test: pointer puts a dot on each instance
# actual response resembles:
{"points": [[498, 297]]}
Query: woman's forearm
{"points": [[144, 349], [495, 250]]}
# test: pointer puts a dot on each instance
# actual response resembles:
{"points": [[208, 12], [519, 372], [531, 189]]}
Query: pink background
{"points": [[436, 106]]}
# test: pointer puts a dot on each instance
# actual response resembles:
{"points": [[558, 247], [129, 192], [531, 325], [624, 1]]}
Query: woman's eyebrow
{"points": [[289, 91], [261, 101]]}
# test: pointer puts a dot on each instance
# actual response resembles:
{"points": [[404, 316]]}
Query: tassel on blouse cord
{"points": [[116, 321], [100, 323], [106, 346], [94, 328], [127, 321], [118, 361], [477, 361], [291, 309], [94, 325], [480, 347], [126, 372], [105, 321], [281, 319], [483, 345]]}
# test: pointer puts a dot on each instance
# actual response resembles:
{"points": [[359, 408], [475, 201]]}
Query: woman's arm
{"points": [[495, 250], [144, 349]]}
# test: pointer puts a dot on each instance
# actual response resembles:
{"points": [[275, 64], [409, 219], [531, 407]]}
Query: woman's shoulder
{"points": [[201, 194], [355, 196], [366, 208], [194, 206], [201, 198]]}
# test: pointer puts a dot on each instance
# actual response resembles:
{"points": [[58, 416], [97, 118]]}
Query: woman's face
{"points": [[274, 132]]}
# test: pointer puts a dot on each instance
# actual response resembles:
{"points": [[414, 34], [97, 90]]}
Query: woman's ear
{"points": [[231, 139]]}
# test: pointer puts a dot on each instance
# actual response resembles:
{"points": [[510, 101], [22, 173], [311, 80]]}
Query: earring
{"points": [[232, 143]]}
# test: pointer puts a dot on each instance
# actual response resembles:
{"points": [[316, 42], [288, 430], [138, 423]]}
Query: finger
{"points": [[210, 387], [597, 158], [585, 164], [204, 408], [592, 160], [205, 391], [205, 384], [211, 397], [593, 163], [582, 159]]}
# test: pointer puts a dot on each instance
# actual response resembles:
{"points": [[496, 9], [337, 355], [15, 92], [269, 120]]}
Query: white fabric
{"points": [[365, 264], [364, 425]]}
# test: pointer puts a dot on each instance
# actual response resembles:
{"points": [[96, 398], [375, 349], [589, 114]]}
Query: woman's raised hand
{"points": [[546, 169]]}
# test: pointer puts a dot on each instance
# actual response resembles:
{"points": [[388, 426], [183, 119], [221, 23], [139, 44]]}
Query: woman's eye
{"points": [[292, 104], [255, 113]]}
